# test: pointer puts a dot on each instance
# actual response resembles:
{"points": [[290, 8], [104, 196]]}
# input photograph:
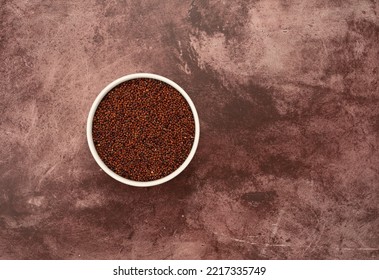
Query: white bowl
{"points": [[96, 155]]}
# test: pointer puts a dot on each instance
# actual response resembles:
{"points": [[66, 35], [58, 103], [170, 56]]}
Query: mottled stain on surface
{"points": [[288, 98]]}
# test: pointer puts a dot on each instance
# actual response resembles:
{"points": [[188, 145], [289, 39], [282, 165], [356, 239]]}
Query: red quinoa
{"points": [[143, 129]]}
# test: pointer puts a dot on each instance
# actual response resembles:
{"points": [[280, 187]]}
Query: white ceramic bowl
{"points": [[92, 146]]}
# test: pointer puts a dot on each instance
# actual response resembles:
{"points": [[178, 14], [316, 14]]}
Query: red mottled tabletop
{"points": [[288, 161]]}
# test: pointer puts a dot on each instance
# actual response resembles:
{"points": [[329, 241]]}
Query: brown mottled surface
{"points": [[288, 161]]}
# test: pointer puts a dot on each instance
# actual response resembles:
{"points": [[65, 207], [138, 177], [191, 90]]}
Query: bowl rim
{"points": [[97, 158]]}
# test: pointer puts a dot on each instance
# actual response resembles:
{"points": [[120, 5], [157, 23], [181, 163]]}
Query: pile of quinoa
{"points": [[143, 129]]}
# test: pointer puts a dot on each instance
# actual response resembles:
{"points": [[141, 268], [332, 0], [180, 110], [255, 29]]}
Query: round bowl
{"points": [[96, 155]]}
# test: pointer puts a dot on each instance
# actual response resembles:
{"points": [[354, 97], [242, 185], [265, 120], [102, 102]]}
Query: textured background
{"points": [[288, 161]]}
